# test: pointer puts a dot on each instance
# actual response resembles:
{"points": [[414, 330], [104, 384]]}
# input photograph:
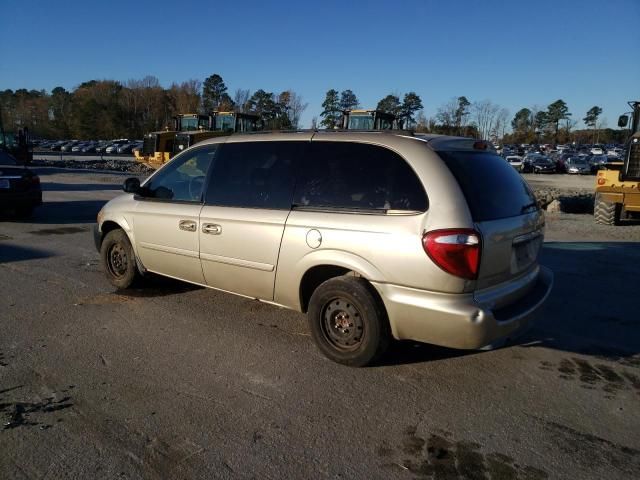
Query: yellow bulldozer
{"points": [[618, 186], [223, 123], [368, 120], [157, 147]]}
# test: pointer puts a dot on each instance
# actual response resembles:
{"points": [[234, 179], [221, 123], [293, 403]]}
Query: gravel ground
{"points": [[170, 380]]}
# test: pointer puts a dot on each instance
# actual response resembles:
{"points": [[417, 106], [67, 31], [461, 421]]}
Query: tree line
{"points": [[336, 102], [103, 109]]}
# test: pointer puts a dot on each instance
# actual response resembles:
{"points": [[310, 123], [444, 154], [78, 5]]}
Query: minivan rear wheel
{"points": [[118, 259], [348, 322]]}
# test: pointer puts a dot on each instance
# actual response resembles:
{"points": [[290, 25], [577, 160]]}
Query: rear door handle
{"points": [[211, 229], [187, 225]]}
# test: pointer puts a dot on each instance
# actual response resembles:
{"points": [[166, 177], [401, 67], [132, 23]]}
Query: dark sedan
{"points": [[543, 165], [20, 190]]}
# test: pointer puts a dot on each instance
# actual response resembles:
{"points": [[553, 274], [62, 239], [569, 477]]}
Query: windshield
{"points": [[188, 123], [226, 123], [360, 122]]}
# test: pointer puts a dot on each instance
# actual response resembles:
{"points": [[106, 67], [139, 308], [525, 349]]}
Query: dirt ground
{"points": [[569, 227]]}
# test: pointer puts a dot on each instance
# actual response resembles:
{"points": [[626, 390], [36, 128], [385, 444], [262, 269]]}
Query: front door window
{"points": [[182, 179]]}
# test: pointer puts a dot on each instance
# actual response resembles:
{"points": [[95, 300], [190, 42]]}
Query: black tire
{"points": [[606, 213], [348, 322], [118, 259]]}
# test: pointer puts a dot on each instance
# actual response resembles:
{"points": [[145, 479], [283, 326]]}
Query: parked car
{"points": [[126, 147], [527, 161], [68, 146], [78, 147], [20, 190], [89, 148], [113, 148], [597, 162], [56, 147], [102, 147], [543, 165], [579, 166], [596, 150], [515, 161], [373, 235]]}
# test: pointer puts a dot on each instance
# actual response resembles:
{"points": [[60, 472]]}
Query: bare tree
{"points": [[241, 98], [485, 113], [296, 107], [501, 123], [446, 113]]}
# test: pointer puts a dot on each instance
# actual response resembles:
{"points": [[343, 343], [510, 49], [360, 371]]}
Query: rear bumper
{"points": [[460, 321]]}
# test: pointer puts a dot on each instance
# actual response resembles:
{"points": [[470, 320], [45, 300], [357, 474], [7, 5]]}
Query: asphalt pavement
{"points": [[171, 380]]}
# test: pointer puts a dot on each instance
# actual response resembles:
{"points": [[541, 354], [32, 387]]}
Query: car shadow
{"points": [[592, 309], [16, 253], [79, 187], [153, 285], [61, 213]]}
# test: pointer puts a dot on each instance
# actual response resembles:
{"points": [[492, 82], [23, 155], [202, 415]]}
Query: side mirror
{"points": [[622, 121], [131, 185]]}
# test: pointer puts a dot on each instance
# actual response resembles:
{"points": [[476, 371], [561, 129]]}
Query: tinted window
{"points": [[6, 159], [493, 189], [183, 178], [357, 176], [254, 175]]}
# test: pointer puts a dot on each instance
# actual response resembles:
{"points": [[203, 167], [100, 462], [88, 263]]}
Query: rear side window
{"points": [[254, 175], [492, 187], [357, 176]]}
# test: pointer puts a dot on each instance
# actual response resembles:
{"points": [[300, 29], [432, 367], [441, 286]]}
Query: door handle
{"points": [[187, 225], [211, 229]]}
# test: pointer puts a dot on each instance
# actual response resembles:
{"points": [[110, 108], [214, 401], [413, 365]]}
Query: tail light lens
{"points": [[456, 251]]}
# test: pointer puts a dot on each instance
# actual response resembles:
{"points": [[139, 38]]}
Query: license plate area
{"points": [[4, 183], [525, 251]]}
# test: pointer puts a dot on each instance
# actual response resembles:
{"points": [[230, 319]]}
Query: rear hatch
{"points": [[14, 179], [504, 211]]}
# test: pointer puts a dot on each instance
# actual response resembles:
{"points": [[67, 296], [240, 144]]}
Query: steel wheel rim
{"points": [[342, 324], [117, 260]]}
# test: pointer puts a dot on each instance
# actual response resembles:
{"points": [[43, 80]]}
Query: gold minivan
{"points": [[375, 235]]}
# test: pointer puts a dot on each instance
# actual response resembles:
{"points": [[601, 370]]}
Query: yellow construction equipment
{"points": [[157, 147], [224, 123], [618, 187], [368, 120]]}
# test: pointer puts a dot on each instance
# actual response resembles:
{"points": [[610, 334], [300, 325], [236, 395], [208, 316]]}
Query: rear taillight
{"points": [[456, 251]]}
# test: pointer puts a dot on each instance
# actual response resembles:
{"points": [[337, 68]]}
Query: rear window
{"points": [[493, 189]]}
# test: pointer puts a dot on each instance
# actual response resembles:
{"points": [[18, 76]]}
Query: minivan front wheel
{"points": [[118, 259], [347, 321]]}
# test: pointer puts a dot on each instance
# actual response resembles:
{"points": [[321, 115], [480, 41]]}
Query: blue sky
{"points": [[514, 53]]}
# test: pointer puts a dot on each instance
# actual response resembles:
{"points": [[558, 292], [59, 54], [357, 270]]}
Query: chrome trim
{"points": [[187, 225], [211, 228], [264, 267], [165, 249]]}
